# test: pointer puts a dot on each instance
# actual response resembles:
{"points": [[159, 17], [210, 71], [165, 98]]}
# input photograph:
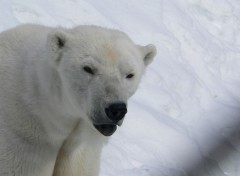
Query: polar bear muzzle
{"points": [[115, 113]]}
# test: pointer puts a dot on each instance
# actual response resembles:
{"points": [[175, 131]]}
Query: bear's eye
{"points": [[88, 70], [129, 76]]}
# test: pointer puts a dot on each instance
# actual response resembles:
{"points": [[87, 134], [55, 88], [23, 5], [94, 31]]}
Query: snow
{"points": [[184, 119]]}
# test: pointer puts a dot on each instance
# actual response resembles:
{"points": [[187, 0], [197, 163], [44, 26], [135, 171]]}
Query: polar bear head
{"points": [[99, 69]]}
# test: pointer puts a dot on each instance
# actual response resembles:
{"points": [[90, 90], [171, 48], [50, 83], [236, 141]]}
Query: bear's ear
{"points": [[148, 53], [57, 41]]}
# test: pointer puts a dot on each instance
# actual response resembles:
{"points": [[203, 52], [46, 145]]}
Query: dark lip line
{"points": [[113, 124], [106, 123]]}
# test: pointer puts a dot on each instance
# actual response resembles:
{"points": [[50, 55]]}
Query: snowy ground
{"points": [[184, 119]]}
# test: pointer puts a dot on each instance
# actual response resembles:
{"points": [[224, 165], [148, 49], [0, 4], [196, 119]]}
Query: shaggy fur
{"points": [[49, 103]]}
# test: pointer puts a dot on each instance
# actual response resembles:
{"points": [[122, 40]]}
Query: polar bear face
{"points": [[99, 69]]}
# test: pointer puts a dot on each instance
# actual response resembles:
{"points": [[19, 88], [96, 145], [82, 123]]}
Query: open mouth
{"points": [[106, 129]]}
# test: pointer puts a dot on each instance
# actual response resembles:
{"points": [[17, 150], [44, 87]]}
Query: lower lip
{"points": [[106, 129]]}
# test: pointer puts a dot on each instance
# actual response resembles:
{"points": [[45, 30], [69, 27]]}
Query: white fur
{"points": [[48, 102]]}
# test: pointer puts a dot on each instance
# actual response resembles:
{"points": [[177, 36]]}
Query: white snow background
{"points": [[184, 118]]}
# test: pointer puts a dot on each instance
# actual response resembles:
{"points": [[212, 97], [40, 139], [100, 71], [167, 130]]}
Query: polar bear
{"points": [[62, 93]]}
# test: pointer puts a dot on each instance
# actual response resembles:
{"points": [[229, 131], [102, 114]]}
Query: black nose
{"points": [[116, 111]]}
